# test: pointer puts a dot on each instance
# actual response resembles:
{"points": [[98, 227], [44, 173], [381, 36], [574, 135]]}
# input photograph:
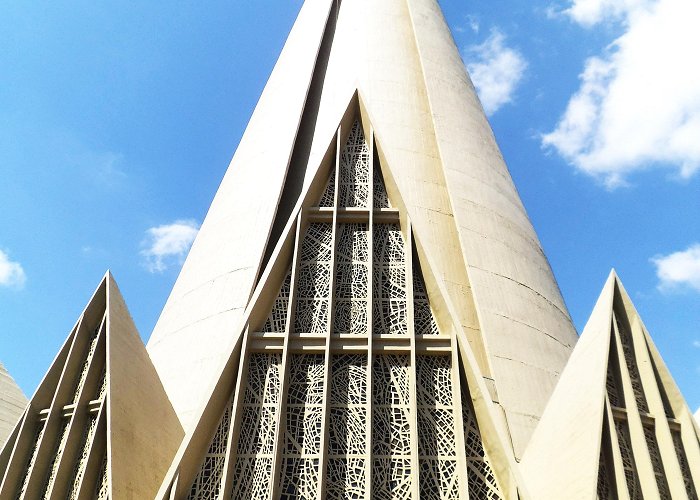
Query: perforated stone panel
{"points": [[630, 469]]}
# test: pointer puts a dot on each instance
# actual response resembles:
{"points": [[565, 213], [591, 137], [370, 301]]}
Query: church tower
{"points": [[366, 311]]}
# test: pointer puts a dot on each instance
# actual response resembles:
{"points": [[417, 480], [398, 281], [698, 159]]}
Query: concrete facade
{"points": [[443, 163], [366, 313], [616, 426], [100, 424]]}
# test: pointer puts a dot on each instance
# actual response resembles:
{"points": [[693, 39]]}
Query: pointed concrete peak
{"points": [[141, 414], [561, 460], [626, 300], [12, 404]]}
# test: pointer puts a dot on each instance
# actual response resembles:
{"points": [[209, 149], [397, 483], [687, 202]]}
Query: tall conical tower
{"points": [[429, 273]]}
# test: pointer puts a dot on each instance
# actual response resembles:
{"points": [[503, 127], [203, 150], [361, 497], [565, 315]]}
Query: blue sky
{"points": [[118, 120]]}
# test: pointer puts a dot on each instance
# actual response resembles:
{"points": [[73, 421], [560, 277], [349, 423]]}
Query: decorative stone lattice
{"points": [[481, 479], [611, 384], [685, 467], [56, 458], [389, 277], [631, 360], [257, 427], [207, 483], [304, 426], [102, 390], [381, 199], [79, 470], [86, 365], [277, 320], [629, 467], [391, 428], [352, 279], [347, 433], [313, 279], [603, 486], [40, 428], [328, 197], [668, 411], [346, 478], [423, 318], [353, 185], [657, 463], [393, 441], [102, 489], [436, 428]]}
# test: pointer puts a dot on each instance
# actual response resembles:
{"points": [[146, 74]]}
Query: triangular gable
{"points": [[641, 445], [99, 425], [312, 373]]}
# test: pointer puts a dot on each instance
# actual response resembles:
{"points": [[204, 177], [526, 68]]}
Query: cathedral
{"points": [[366, 313]]}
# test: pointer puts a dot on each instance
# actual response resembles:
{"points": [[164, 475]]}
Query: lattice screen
{"points": [[624, 364], [354, 422], [55, 439]]}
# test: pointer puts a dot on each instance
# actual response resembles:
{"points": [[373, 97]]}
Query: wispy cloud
{"points": [[11, 273], [496, 71], [679, 269], [696, 343], [638, 104], [167, 244]]}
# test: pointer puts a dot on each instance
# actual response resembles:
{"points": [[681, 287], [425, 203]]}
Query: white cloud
{"points": [[495, 70], [696, 343], [638, 105], [11, 273], [167, 244], [679, 269], [590, 12]]}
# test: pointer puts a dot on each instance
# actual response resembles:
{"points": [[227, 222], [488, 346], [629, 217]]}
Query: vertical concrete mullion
{"points": [[321, 493], [234, 427], [618, 468], [276, 478], [53, 425], [459, 420], [58, 488], [370, 319], [94, 461], [415, 464], [662, 431], [642, 461]]}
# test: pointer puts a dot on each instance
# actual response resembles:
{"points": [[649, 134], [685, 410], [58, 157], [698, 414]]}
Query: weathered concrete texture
{"points": [[144, 431], [12, 404], [441, 162], [445, 166], [561, 460]]}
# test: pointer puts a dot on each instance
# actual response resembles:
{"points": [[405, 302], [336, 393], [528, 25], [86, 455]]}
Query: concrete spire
{"points": [[12, 404], [442, 162], [99, 425]]}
